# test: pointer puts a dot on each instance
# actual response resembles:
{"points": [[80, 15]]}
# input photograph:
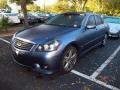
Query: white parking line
{"points": [[94, 80], [100, 69], [4, 40]]}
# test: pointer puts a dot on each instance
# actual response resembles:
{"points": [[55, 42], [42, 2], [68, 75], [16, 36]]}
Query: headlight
{"points": [[114, 31], [51, 46]]}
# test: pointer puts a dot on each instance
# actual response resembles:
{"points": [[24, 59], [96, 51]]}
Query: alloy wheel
{"points": [[69, 59]]}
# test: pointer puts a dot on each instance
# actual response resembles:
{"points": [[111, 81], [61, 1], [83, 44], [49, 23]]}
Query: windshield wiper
{"points": [[56, 24]]}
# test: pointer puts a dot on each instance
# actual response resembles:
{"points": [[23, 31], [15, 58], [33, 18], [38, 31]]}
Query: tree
{"points": [[60, 7], [109, 7], [78, 5], [33, 8], [3, 4], [23, 4], [112, 7], [83, 4]]}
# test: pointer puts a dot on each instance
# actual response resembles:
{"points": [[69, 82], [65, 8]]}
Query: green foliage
{"points": [[78, 5], [60, 6], [3, 4], [110, 7], [33, 8], [4, 23], [68, 5]]}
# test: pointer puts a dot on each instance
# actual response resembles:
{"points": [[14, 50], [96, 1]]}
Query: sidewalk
{"points": [[13, 29], [10, 31]]}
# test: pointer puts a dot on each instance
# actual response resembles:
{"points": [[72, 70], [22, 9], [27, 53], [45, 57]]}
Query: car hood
{"points": [[114, 27], [43, 33]]}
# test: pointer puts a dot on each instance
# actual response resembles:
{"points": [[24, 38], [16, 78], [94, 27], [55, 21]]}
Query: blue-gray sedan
{"points": [[56, 45]]}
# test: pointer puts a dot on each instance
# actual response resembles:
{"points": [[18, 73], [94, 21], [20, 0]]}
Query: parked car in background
{"points": [[56, 45], [42, 17], [38, 16], [51, 15], [31, 18], [13, 18], [114, 24]]}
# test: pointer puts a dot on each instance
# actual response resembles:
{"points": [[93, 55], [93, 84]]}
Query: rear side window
{"points": [[99, 20], [91, 21]]}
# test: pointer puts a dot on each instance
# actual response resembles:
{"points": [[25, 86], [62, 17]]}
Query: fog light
{"points": [[37, 65], [45, 67]]}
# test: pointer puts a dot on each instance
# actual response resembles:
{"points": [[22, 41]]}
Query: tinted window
{"points": [[91, 21], [112, 19], [98, 20], [69, 20]]}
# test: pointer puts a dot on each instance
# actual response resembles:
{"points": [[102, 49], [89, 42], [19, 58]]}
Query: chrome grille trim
{"points": [[25, 44]]}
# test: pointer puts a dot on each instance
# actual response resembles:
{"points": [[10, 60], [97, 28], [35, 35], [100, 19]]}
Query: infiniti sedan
{"points": [[114, 24], [56, 45]]}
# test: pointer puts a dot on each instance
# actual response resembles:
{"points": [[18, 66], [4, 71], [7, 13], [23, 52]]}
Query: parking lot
{"points": [[99, 69]]}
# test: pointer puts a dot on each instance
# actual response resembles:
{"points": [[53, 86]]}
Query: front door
{"points": [[90, 34]]}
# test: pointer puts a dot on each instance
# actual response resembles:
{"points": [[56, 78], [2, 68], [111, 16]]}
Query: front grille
{"points": [[23, 45]]}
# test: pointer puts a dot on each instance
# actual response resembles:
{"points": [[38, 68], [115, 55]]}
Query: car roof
{"points": [[77, 13]]}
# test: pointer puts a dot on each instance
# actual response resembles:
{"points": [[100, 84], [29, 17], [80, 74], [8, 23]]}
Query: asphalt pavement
{"points": [[13, 77]]}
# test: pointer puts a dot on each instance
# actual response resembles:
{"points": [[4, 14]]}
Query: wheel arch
{"points": [[73, 44]]}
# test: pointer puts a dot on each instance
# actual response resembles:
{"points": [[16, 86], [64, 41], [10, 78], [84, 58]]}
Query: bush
{"points": [[4, 23]]}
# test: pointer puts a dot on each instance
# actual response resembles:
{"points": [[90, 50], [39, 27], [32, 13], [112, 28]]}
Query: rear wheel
{"points": [[69, 59]]}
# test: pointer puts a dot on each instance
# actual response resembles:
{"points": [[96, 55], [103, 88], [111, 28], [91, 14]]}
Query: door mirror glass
{"points": [[91, 23], [91, 26]]}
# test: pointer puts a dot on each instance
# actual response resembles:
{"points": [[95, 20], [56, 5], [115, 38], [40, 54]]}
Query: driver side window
{"points": [[91, 21]]}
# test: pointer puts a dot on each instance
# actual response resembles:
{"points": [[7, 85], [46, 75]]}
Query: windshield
{"points": [[112, 20], [68, 20]]}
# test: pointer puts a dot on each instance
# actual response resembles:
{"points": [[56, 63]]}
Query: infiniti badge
{"points": [[18, 44]]}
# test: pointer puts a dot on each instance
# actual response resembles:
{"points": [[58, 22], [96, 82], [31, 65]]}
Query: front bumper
{"points": [[113, 34], [45, 63]]}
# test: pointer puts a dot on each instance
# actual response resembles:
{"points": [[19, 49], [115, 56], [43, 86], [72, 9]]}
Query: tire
{"points": [[103, 43], [118, 36], [69, 59]]}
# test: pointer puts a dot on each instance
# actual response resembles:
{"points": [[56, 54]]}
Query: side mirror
{"points": [[90, 26]]}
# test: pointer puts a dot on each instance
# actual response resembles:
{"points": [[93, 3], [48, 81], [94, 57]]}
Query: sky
{"points": [[38, 2], [45, 2]]}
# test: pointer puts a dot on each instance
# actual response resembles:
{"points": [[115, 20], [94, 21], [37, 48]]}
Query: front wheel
{"points": [[103, 43], [69, 59]]}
